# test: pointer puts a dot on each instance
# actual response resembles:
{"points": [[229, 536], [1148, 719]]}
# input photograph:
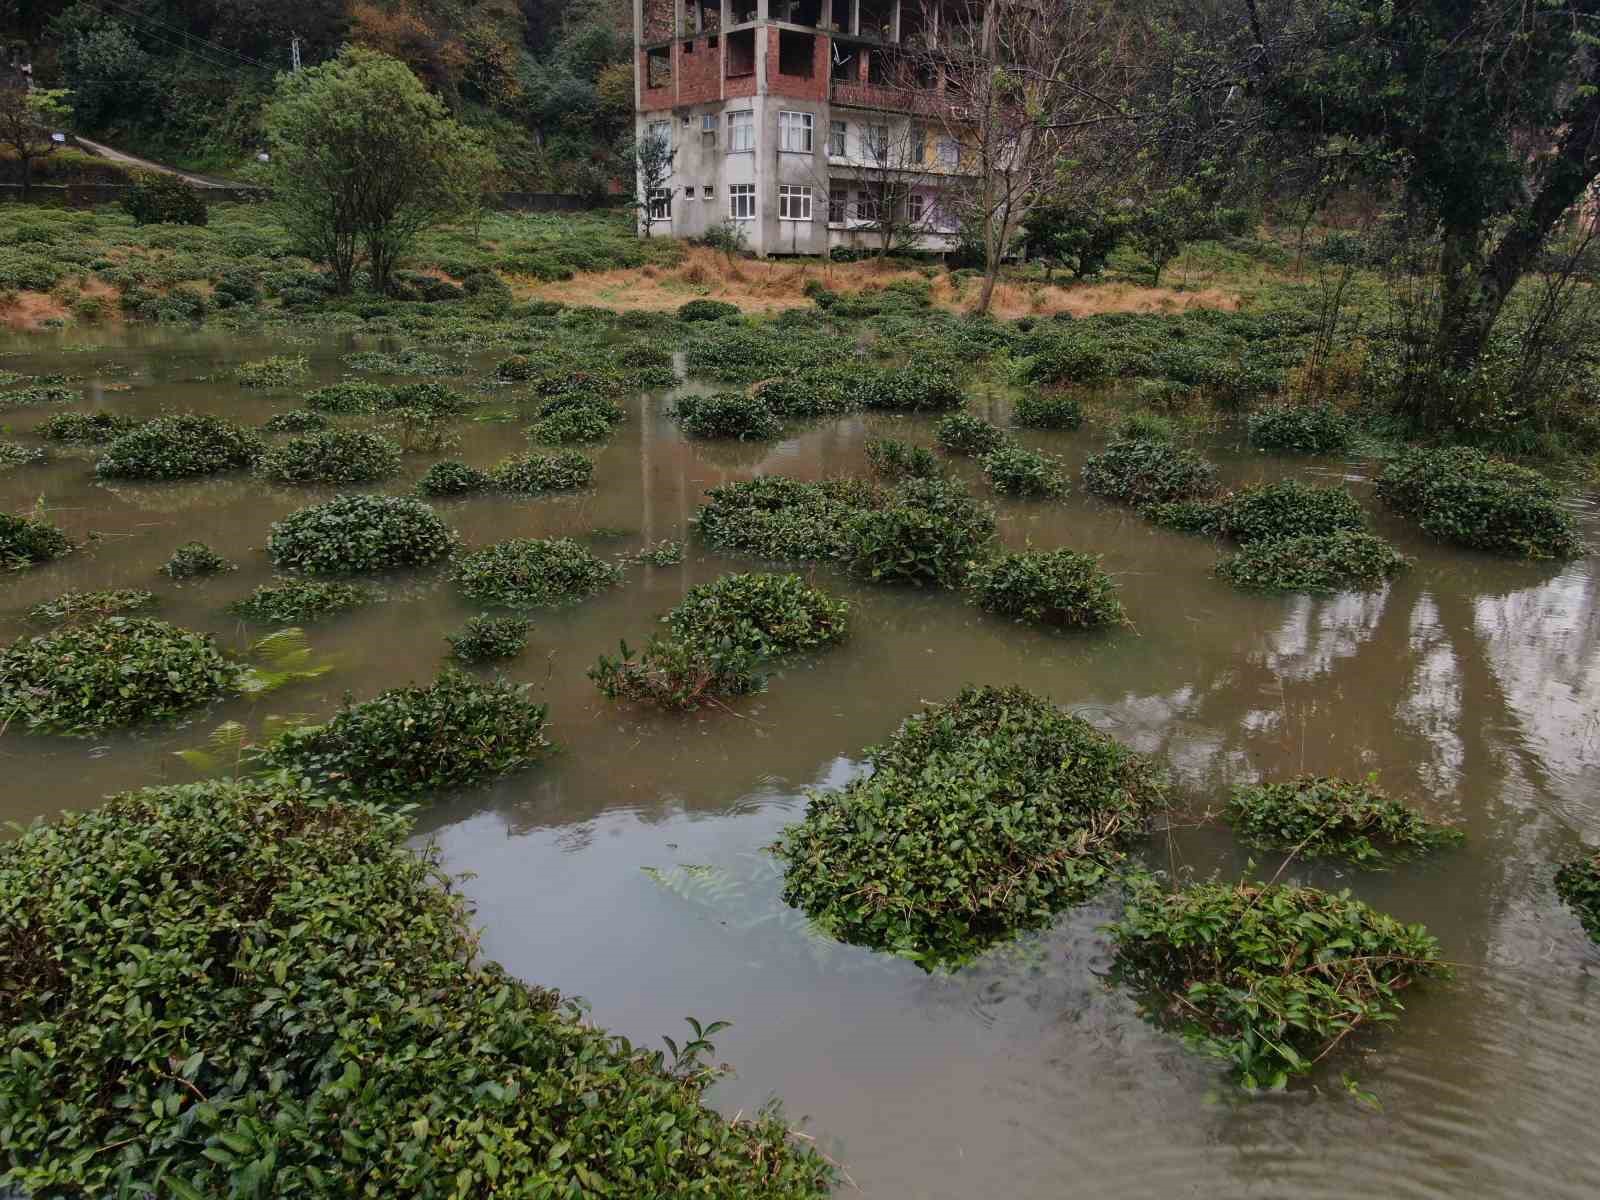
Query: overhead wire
{"points": [[150, 22]]}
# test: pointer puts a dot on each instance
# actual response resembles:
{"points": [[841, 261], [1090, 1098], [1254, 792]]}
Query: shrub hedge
{"points": [[894, 459], [533, 473], [528, 571], [1265, 512], [775, 517], [1146, 471], [488, 639], [1052, 587], [1300, 429], [179, 446], [85, 429], [963, 433], [930, 534], [452, 478], [294, 601], [352, 534], [332, 456], [1047, 410], [75, 606], [727, 415], [1330, 562], [351, 397], [1017, 471], [28, 540], [706, 310], [296, 420], [1322, 816]]}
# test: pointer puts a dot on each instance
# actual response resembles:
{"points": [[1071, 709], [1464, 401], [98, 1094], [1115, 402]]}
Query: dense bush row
{"points": [[1464, 496], [1300, 429], [524, 572], [77, 606], [1330, 562], [1578, 885], [179, 446], [85, 429], [930, 533], [1319, 816], [489, 639], [1056, 587], [1146, 471], [332, 456], [353, 534], [1264, 512], [727, 415], [296, 601]]}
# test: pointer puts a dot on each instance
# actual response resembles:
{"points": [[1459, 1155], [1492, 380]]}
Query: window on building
{"points": [[836, 136], [741, 131], [838, 205], [866, 206], [915, 208], [794, 132], [794, 203], [658, 67], [708, 192], [660, 131], [949, 153], [797, 53], [708, 130], [688, 191], [660, 204], [917, 146], [875, 143], [742, 201]]}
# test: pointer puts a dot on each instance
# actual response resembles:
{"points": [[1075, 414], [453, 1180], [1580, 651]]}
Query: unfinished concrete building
{"points": [[810, 123]]}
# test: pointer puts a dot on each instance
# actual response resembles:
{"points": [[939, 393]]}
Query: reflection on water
{"points": [[631, 869]]}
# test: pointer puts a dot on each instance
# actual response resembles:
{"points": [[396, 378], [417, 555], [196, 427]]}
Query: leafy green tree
{"points": [[652, 159], [1077, 237], [27, 121], [363, 159], [1168, 222]]}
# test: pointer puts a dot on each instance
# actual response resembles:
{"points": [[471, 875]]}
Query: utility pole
{"points": [[294, 51]]}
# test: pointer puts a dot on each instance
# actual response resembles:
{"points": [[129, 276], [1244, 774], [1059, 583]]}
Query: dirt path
{"points": [[144, 164]]}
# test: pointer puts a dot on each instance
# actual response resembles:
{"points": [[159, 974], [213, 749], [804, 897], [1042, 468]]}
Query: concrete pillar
{"points": [[722, 53], [855, 17], [894, 31], [762, 11]]}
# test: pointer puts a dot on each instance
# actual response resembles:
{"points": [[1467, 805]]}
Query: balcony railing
{"points": [[895, 99]]}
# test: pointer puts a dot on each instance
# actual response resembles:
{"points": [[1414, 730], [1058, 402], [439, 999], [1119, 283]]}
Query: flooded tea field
{"points": [[632, 869]]}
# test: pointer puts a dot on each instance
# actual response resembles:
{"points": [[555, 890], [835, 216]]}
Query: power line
{"points": [[188, 37]]}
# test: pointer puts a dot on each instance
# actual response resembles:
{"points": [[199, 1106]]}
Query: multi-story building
{"points": [[810, 123]]}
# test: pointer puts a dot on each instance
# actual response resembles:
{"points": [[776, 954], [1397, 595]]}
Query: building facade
{"points": [[810, 124]]}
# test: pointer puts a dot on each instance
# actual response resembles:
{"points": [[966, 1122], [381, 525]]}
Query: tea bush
{"points": [[15, 454], [39, 393], [894, 459], [179, 446], [1266, 512], [1268, 977], [531, 473], [1143, 471], [195, 558], [487, 639], [280, 370], [780, 518], [457, 732], [1462, 495], [1016, 471], [1318, 816], [528, 571], [157, 198], [1047, 410], [1146, 426], [586, 423], [296, 420], [727, 415], [1055, 587], [27, 540], [85, 429], [1578, 886], [333, 456], [1329, 562], [295, 601], [825, 391], [75, 606], [355, 397], [963, 433], [930, 534], [916, 388], [351, 534], [1300, 429], [451, 478], [183, 910], [982, 817], [706, 310], [665, 553], [429, 394], [108, 674]]}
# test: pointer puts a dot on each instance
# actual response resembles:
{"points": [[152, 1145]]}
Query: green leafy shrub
{"points": [[351, 534], [963, 433], [1054, 587], [455, 733], [719, 636], [85, 429], [294, 601], [1047, 410], [1268, 977], [351, 397], [917, 388], [1578, 886], [429, 394], [894, 459], [185, 909], [1266, 512], [930, 535], [1321, 816], [1016, 471], [179, 446], [1143, 471], [109, 674], [531, 473], [780, 518], [157, 198], [76, 606], [1462, 495], [296, 420], [332, 456], [38, 393], [15, 454], [451, 478], [727, 415], [1300, 429], [825, 391], [195, 558], [488, 639], [277, 371], [706, 310], [982, 817], [665, 553], [586, 423], [28, 540], [529, 571], [1147, 426], [1329, 562]]}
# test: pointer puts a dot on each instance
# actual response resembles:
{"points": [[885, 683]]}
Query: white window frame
{"points": [[949, 153], [875, 144], [661, 204], [843, 205], [708, 129], [838, 139], [661, 130], [916, 208], [795, 131], [742, 131], [741, 202], [709, 192], [868, 207], [916, 145], [794, 202]]}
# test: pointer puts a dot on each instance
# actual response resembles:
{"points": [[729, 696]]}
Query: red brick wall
{"points": [[699, 74], [649, 97], [815, 88]]}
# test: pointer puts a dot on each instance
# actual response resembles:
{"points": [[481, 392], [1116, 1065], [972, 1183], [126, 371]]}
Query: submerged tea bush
{"points": [[1268, 977], [1266, 512], [38, 393], [111, 673], [488, 639], [982, 817], [1016, 471], [930, 535], [28, 540], [179, 446], [780, 518], [244, 884], [296, 420], [531, 473], [528, 571], [718, 638], [280, 370], [665, 553], [894, 459], [917, 388], [75, 606], [452, 478], [1054, 587], [85, 429], [727, 415], [333, 456], [1320, 816], [818, 391], [1462, 495], [351, 397], [1330, 562], [351, 534], [1145, 471], [963, 433], [15, 454], [1047, 410], [294, 601], [1300, 429], [457, 732], [195, 558], [1578, 885], [582, 423]]}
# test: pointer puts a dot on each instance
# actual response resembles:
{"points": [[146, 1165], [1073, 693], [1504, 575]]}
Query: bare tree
{"points": [[652, 157], [889, 191]]}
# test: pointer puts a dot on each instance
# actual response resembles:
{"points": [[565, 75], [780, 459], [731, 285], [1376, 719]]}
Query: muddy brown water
{"points": [[630, 869]]}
